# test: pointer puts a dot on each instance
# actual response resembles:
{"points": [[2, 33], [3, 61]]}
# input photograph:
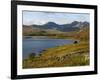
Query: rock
{"points": [[75, 42]]}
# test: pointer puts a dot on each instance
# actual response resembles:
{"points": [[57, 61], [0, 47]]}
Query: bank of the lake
{"points": [[76, 54], [37, 44], [60, 56]]}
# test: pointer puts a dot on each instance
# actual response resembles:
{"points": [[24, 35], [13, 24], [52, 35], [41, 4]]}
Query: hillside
{"points": [[76, 54], [61, 56], [83, 34], [51, 28], [74, 26]]}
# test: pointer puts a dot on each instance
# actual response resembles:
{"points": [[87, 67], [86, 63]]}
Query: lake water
{"points": [[31, 45]]}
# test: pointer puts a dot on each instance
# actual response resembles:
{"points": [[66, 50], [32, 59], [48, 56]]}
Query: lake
{"points": [[31, 45]]}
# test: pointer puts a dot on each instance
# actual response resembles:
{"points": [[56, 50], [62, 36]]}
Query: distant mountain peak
{"points": [[74, 26], [75, 23], [50, 23]]}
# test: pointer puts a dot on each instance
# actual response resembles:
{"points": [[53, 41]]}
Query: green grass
{"points": [[66, 55], [62, 56]]}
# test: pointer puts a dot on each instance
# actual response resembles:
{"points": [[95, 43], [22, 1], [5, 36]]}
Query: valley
{"points": [[76, 54]]}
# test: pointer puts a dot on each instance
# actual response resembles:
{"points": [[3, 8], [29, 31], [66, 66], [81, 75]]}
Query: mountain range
{"points": [[74, 26], [52, 27]]}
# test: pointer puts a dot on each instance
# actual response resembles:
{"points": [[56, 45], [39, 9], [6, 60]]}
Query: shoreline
{"points": [[47, 37], [63, 52]]}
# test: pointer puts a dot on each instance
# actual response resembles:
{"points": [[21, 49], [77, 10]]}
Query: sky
{"points": [[40, 18]]}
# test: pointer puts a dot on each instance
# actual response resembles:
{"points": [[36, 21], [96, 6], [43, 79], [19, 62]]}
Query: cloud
{"points": [[33, 17]]}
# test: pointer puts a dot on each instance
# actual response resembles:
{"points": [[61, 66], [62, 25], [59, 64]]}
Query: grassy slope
{"points": [[66, 55]]}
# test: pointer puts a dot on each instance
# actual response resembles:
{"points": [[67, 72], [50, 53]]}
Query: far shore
{"points": [[47, 37]]}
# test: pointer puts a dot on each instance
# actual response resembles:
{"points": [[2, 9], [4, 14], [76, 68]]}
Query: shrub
{"points": [[31, 55]]}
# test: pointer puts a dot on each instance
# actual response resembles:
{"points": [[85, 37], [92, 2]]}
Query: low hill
{"points": [[83, 34]]}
